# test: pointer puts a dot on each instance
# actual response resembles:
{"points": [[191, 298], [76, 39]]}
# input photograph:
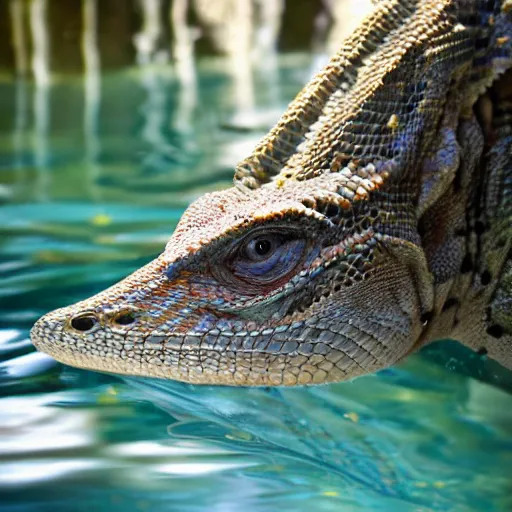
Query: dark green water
{"points": [[93, 178]]}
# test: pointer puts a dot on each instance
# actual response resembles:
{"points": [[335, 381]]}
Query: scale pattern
{"points": [[375, 217]]}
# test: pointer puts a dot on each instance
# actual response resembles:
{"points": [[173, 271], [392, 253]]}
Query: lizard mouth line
{"points": [[192, 372], [187, 363]]}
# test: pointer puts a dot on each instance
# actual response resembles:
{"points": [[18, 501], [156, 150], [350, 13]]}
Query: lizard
{"points": [[374, 218]]}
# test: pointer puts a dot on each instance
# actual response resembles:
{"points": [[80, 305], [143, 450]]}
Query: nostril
{"points": [[125, 319], [84, 323]]}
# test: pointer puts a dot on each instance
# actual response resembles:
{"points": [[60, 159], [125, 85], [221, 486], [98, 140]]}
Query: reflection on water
{"points": [[407, 444], [95, 173]]}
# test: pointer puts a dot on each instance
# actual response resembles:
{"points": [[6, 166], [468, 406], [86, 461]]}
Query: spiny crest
{"points": [[332, 106], [379, 98]]}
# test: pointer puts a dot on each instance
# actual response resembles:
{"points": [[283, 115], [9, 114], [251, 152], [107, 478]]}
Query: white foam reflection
{"points": [[8, 335], [31, 472], [92, 93], [147, 40], [31, 425], [41, 70]]}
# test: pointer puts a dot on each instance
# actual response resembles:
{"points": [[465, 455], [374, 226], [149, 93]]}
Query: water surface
{"points": [[94, 176]]}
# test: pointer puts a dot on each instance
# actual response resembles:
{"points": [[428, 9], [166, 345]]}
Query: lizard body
{"points": [[375, 217]]}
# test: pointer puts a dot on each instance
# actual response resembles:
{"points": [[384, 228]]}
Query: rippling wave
{"points": [[90, 189]]}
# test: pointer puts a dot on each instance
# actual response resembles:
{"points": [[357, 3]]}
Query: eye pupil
{"points": [[265, 258], [262, 247]]}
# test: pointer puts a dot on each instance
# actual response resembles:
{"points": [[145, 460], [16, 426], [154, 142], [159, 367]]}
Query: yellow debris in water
{"points": [[108, 397], [238, 435], [101, 219], [352, 416], [406, 395], [331, 494], [49, 257], [439, 484]]}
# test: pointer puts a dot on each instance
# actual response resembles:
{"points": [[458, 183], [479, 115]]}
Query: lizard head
{"points": [[258, 287], [311, 268]]}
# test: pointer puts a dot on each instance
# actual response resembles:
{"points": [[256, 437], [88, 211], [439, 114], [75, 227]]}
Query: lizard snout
{"points": [[88, 335]]}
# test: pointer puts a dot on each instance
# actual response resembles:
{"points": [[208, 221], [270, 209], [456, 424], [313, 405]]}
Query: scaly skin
{"points": [[374, 218]]}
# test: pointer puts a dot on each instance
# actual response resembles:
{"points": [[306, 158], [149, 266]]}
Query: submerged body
{"points": [[374, 218]]}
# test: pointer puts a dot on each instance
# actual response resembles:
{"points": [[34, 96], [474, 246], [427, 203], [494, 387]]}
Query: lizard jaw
{"points": [[206, 348], [291, 366]]}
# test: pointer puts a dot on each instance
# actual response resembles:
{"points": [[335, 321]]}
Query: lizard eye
{"points": [[261, 248], [267, 257]]}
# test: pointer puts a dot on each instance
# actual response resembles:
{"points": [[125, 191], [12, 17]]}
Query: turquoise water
{"points": [[93, 178]]}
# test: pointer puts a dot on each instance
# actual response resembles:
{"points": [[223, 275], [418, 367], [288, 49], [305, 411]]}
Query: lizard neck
{"points": [[466, 234]]}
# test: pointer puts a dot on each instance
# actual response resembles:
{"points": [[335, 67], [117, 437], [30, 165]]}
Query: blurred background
{"points": [[114, 116], [103, 99], [43, 37]]}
